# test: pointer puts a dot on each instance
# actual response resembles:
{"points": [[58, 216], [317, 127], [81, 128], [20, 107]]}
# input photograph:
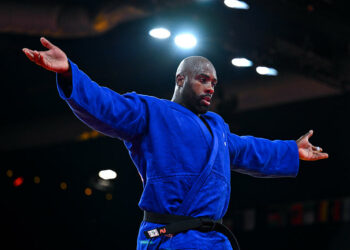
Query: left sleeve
{"points": [[260, 157]]}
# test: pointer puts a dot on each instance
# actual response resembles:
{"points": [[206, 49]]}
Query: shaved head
{"points": [[195, 82], [193, 64]]}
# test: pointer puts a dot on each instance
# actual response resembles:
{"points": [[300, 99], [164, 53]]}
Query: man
{"points": [[183, 153]]}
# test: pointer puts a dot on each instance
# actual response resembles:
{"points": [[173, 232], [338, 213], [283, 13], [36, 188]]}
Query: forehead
{"points": [[204, 68]]}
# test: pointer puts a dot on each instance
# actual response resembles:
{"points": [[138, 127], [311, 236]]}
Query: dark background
{"points": [[306, 41]]}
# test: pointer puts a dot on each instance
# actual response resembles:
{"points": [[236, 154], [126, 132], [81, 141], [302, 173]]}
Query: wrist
{"points": [[67, 73]]}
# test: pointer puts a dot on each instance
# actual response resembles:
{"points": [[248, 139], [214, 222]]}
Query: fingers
{"points": [[318, 149], [34, 56], [37, 57], [319, 156], [306, 136], [309, 134], [28, 53], [324, 155], [46, 43]]}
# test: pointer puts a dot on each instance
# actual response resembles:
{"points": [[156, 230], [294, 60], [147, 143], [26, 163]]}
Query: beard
{"points": [[200, 107], [203, 109], [193, 101]]}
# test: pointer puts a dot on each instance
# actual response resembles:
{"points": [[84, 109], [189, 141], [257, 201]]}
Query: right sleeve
{"points": [[121, 116]]}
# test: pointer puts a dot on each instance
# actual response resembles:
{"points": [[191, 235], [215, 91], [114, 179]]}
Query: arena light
{"points": [[9, 173], [18, 181], [266, 71], [236, 4], [160, 33], [241, 62], [109, 196], [63, 185], [107, 174], [88, 191], [36, 179], [186, 41]]}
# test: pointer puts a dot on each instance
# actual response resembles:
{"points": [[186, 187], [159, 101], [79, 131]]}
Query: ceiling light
{"points": [[266, 71], [236, 4], [186, 41], [160, 33], [107, 174], [241, 62]]}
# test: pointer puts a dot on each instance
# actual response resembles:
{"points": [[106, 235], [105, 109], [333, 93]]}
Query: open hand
{"points": [[307, 151], [53, 59]]}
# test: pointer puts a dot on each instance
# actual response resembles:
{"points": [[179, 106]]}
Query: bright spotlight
{"points": [[241, 62], [266, 71], [107, 174], [160, 33], [185, 41], [236, 4]]}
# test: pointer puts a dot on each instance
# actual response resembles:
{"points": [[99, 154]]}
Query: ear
{"points": [[180, 79]]}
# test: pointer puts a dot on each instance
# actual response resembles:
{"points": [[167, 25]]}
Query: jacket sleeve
{"points": [[260, 157], [115, 115]]}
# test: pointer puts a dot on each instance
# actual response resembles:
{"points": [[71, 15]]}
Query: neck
{"points": [[177, 99]]}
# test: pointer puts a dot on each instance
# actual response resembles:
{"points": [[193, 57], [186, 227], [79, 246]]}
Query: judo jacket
{"points": [[171, 147]]}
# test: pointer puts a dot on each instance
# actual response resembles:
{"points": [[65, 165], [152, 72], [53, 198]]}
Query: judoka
{"points": [[183, 152]]}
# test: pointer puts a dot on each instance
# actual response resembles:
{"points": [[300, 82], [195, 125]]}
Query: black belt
{"points": [[176, 224]]}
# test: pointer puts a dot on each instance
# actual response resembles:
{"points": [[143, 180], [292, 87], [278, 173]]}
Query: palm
{"points": [[53, 59], [307, 151]]}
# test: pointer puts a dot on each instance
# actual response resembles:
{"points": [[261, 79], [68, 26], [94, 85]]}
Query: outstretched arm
{"points": [[260, 157], [307, 151], [122, 116], [264, 158]]}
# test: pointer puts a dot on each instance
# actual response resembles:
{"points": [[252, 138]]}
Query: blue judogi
{"points": [[185, 167]]}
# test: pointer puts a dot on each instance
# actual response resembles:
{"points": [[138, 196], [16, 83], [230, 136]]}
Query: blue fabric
{"points": [[170, 146]]}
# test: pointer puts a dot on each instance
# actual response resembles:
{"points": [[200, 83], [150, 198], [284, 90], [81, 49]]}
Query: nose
{"points": [[209, 89]]}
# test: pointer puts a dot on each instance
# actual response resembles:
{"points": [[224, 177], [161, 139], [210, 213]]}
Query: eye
{"points": [[202, 79]]}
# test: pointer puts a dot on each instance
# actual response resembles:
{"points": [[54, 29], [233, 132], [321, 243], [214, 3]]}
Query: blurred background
{"points": [[283, 68]]}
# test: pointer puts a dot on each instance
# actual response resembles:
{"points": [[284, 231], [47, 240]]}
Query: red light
{"points": [[18, 182]]}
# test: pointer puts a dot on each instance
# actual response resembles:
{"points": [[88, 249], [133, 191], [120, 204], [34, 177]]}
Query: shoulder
{"points": [[214, 116], [218, 120], [153, 103], [145, 98]]}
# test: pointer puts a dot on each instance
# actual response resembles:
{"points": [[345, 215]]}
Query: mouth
{"points": [[205, 100]]}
